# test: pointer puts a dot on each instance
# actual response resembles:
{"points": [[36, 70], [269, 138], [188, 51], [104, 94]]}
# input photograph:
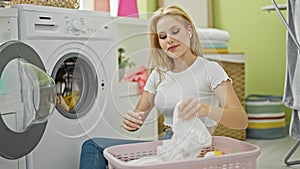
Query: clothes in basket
{"points": [[187, 142], [191, 141], [236, 154]]}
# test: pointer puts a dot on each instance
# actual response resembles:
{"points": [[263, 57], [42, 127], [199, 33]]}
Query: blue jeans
{"points": [[92, 150]]}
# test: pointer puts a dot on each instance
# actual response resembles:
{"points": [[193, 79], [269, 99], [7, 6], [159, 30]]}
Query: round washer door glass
{"points": [[76, 85], [27, 99], [27, 95]]}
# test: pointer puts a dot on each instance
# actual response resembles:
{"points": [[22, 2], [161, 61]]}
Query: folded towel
{"points": [[212, 34], [215, 51], [213, 45]]}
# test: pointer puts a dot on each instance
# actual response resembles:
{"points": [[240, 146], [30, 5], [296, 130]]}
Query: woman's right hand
{"points": [[133, 120]]}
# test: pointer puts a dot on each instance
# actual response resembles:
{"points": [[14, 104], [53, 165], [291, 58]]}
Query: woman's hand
{"points": [[191, 108], [133, 120]]}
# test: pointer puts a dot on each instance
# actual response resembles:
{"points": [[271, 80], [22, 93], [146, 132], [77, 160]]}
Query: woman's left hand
{"points": [[190, 109]]}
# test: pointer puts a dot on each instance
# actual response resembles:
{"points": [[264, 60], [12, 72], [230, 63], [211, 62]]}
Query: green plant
{"points": [[123, 62]]}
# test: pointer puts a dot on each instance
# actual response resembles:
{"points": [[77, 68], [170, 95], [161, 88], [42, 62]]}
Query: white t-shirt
{"points": [[197, 81]]}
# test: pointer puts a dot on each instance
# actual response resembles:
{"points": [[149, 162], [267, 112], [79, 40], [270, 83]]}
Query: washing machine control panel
{"points": [[94, 27], [82, 24]]}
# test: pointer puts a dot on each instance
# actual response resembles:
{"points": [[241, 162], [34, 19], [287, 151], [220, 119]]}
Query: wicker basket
{"points": [[236, 71], [4, 3], [74, 4]]}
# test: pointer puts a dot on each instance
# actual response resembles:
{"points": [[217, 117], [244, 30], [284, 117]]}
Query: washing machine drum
{"points": [[27, 99]]}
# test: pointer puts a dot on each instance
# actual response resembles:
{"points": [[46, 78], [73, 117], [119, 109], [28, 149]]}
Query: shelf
{"points": [[271, 7], [131, 21], [227, 57]]}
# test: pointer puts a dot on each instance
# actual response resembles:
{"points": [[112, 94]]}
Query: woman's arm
{"points": [[231, 114], [231, 111], [134, 120]]}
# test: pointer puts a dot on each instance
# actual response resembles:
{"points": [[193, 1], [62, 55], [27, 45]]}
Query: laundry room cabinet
{"points": [[133, 37]]}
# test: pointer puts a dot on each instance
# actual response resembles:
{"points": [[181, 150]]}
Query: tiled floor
{"points": [[273, 153]]}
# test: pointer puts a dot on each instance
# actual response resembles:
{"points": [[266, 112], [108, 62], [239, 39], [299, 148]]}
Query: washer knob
{"points": [[75, 25]]}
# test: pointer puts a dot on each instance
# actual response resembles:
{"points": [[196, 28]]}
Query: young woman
{"points": [[180, 73]]}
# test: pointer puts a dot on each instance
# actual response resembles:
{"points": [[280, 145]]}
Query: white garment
{"points": [[295, 125], [198, 81], [187, 142], [292, 88]]}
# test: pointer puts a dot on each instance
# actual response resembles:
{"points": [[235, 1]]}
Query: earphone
{"points": [[190, 34]]}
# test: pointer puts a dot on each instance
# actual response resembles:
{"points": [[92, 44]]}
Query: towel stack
{"points": [[213, 40]]}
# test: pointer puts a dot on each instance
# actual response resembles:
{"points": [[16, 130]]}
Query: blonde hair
{"points": [[159, 59]]}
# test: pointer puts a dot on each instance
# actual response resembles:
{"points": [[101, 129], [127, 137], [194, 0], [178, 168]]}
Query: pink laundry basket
{"points": [[236, 155]]}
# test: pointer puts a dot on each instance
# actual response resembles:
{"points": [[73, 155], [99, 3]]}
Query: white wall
{"points": [[89, 5], [197, 9], [86, 5]]}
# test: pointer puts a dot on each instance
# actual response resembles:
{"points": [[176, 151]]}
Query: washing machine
{"points": [[8, 31], [27, 99], [78, 50], [8, 22]]}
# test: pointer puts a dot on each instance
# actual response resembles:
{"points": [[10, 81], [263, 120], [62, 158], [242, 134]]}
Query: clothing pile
{"points": [[189, 139]]}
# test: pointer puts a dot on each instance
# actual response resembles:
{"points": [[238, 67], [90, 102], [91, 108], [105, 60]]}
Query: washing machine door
{"points": [[27, 99]]}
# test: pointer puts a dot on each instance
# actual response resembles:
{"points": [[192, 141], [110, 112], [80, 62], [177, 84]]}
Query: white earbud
{"points": [[190, 34]]}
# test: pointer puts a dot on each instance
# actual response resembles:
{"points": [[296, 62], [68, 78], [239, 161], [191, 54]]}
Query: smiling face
{"points": [[173, 36]]}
